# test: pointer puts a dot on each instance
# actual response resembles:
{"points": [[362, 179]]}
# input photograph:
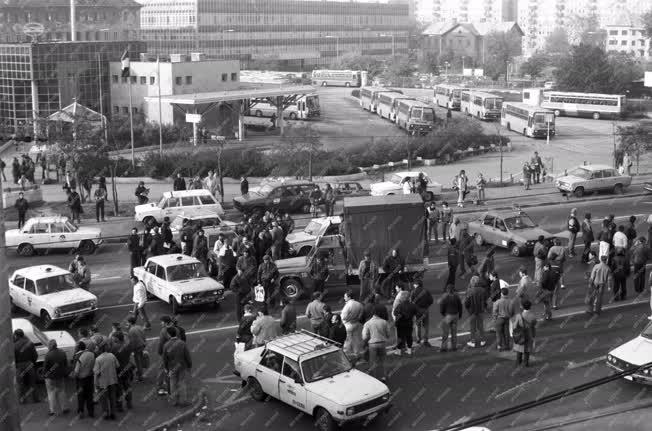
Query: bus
{"points": [[303, 108], [369, 97], [342, 78], [532, 121], [484, 106], [387, 103], [448, 96], [591, 105], [414, 116]]}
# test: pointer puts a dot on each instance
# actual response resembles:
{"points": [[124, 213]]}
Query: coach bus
{"points": [[484, 106], [369, 97], [305, 107], [414, 116], [387, 103], [448, 96], [342, 78], [532, 121], [591, 105]]}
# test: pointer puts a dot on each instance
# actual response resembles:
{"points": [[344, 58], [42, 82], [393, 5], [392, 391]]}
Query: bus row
{"points": [[409, 114]]}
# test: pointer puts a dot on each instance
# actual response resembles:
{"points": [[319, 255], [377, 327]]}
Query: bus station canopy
{"points": [[257, 92]]}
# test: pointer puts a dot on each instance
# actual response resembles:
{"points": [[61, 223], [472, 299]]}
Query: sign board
{"points": [[33, 29], [193, 118], [648, 79], [467, 72]]}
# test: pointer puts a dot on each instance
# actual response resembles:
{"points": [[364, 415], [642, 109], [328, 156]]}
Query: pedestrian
{"points": [[526, 175], [162, 381], [179, 183], [456, 229], [288, 320], [627, 164], [244, 186], [200, 248], [557, 258], [546, 290], [141, 192], [335, 329], [138, 343], [55, 371], [15, 170], [540, 253], [82, 277], [587, 236], [501, 312], [453, 261], [494, 286], [166, 235], [140, 299], [393, 266], [21, 206], [368, 274], [278, 237], [186, 238], [620, 239], [351, 316], [242, 288], [449, 115], [524, 290], [135, 250], [287, 223], [450, 307], [524, 334], [467, 248], [537, 166], [315, 198], [319, 273], [475, 304], [404, 313], [630, 231], [446, 217], [432, 217], [423, 300], [74, 204], [264, 328], [329, 200], [573, 229], [23, 182], [100, 198], [605, 239], [178, 363], [375, 333], [25, 356], [481, 184], [226, 262], [620, 269], [243, 334], [267, 277], [105, 370], [83, 365], [600, 279], [640, 254], [460, 184], [247, 264], [122, 350], [315, 312], [407, 186], [3, 165]]}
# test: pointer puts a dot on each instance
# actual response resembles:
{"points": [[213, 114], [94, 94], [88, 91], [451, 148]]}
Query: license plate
{"points": [[630, 378]]}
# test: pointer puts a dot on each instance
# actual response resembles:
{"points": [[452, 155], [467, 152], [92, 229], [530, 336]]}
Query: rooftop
{"points": [[39, 272], [251, 91], [173, 259], [297, 344]]}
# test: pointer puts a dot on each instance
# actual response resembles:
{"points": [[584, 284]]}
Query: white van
{"points": [[172, 204]]}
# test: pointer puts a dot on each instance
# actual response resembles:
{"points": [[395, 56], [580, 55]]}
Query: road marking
{"points": [[573, 365], [510, 390], [223, 380], [96, 278]]}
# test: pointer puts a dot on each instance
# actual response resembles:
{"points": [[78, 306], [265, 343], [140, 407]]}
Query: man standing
{"points": [[540, 254], [163, 381], [315, 200], [631, 231], [3, 165], [502, 313], [433, 220], [140, 299], [573, 228], [264, 328], [25, 356], [329, 200], [461, 184], [620, 239], [375, 333], [288, 321], [135, 249], [640, 255], [241, 287], [247, 265], [537, 166], [480, 184], [450, 307], [277, 240], [84, 362], [319, 273], [557, 258], [166, 234], [156, 244], [177, 362], [74, 203], [55, 371], [446, 217], [267, 276], [600, 278], [315, 312], [620, 269], [179, 183], [547, 289], [244, 186], [422, 299], [453, 261], [138, 342], [351, 316], [527, 175], [475, 304], [122, 351], [524, 289], [368, 273], [100, 198], [21, 206], [587, 236], [393, 266], [200, 248]]}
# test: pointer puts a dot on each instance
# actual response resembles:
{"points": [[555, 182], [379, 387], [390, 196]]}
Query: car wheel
{"points": [[579, 192], [596, 115], [305, 208], [619, 189], [557, 113], [515, 250], [479, 240], [46, 319], [26, 250], [174, 305], [86, 247], [255, 389], [323, 420], [291, 288], [149, 222]]}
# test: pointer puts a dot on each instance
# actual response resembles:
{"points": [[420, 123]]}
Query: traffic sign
{"points": [[193, 118]]}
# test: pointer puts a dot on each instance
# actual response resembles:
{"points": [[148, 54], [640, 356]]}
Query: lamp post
{"points": [[337, 46]]}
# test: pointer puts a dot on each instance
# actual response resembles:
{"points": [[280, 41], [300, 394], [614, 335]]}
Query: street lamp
{"points": [[224, 32], [337, 46], [393, 45]]}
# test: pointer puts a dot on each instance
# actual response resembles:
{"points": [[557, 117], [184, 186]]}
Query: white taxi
{"points": [[179, 280], [49, 292], [42, 233], [394, 186], [313, 375], [172, 204], [634, 353]]}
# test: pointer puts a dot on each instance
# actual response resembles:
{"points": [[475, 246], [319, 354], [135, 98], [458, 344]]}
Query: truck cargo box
{"points": [[379, 224]]}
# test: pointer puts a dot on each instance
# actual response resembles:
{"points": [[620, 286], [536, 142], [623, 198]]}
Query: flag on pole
{"points": [[124, 60]]}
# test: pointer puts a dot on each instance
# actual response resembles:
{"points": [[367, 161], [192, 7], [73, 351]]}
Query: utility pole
{"points": [[9, 420]]}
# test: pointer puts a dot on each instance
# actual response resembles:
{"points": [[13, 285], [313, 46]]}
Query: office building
{"points": [[467, 10], [96, 20], [297, 34]]}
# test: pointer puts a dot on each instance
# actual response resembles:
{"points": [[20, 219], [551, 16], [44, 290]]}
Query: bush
{"points": [[355, 93]]}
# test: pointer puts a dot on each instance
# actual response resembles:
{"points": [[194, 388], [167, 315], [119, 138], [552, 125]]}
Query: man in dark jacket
{"points": [[475, 304], [25, 356], [179, 183], [549, 280], [244, 334], [620, 269], [241, 286], [200, 248], [74, 203], [587, 237], [393, 265], [404, 314], [267, 277], [166, 233], [640, 255], [277, 240], [630, 231], [177, 362], [319, 273], [450, 307], [248, 266], [244, 186], [226, 261], [422, 299], [122, 350], [156, 245], [288, 320], [453, 261], [55, 371], [135, 250], [21, 206], [187, 233]]}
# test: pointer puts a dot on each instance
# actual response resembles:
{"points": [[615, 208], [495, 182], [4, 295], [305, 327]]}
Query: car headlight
{"points": [[350, 411], [386, 397], [187, 297], [57, 312], [216, 292], [610, 358], [93, 303]]}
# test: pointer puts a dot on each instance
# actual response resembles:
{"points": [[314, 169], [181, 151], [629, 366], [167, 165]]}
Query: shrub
{"points": [[355, 93]]}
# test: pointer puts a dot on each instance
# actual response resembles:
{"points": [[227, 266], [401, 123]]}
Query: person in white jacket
{"points": [[352, 316], [140, 299]]}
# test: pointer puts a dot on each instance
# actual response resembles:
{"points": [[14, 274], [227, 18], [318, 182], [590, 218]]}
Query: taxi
{"points": [[179, 280], [634, 353], [313, 375], [49, 292]]}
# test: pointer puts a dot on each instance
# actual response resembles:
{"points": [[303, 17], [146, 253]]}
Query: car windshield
{"points": [[428, 115], [313, 228], [493, 103], [186, 271], [396, 179], [581, 172], [541, 118], [55, 284], [519, 222], [71, 227], [647, 332], [264, 189], [325, 366]]}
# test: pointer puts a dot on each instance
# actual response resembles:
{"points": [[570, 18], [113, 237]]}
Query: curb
{"points": [[201, 402]]}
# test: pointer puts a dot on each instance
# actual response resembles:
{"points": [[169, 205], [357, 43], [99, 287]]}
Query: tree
{"points": [[535, 65], [301, 143], [501, 47], [430, 63], [634, 139], [646, 19], [557, 42], [355, 61]]}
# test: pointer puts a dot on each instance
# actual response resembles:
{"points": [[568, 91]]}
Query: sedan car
{"points": [[513, 230], [394, 186], [43, 233], [211, 223], [592, 178], [634, 353], [280, 196]]}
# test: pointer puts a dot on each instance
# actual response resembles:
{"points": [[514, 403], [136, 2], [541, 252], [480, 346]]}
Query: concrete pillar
{"points": [[35, 107], [279, 114]]}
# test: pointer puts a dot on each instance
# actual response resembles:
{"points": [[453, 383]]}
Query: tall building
{"points": [[96, 20], [296, 33], [492, 11]]}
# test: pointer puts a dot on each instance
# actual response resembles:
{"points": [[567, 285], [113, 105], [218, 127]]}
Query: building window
{"points": [[152, 80], [178, 80], [134, 79], [613, 32], [623, 42], [188, 80], [134, 110], [116, 109], [613, 42], [225, 77], [124, 79], [234, 76], [143, 80], [125, 110], [115, 79], [633, 43], [624, 32]]}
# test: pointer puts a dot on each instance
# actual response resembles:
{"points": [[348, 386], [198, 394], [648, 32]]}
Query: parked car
{"points": [[44, 233], [277, 196], [632, 354], [394, 186], [313, 375], [211, 223], [513, 230], [349, 189], [40, 339], [172, 204], [49, 292], [179, 280], [593, 178], [302, 242]]}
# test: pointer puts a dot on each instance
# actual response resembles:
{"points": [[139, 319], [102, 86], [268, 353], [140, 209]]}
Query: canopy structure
{"points": [[198, 104], [76, 112]]}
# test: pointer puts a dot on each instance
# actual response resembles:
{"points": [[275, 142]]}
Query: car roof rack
{"points": [[297, 343]]}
